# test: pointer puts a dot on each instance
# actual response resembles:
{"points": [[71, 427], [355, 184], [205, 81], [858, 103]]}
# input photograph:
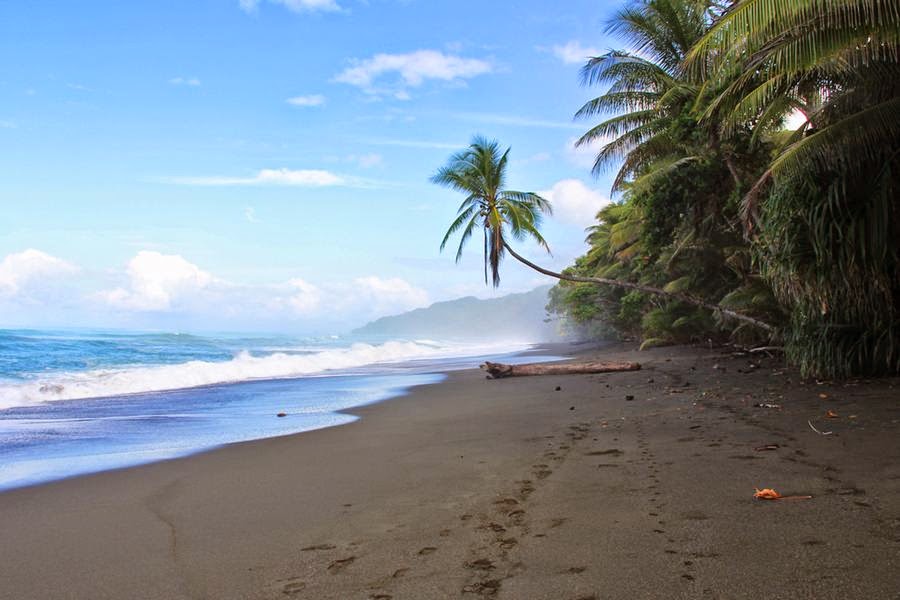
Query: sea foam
{"points": [[103, 383]]}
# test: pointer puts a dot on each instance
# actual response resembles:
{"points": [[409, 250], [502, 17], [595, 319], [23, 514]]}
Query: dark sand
{"points": [[505, 489]]}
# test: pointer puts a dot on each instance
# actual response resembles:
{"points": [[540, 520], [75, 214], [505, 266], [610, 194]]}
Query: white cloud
{"points": [[305, 298], [250, 215], [290, 177], [387, 296], [25, 272], [157, 282], [189, 81], [170, 284], [409, 70], [362, 299], [574, 202], [297, 6], [574, 53], [311, 100]]}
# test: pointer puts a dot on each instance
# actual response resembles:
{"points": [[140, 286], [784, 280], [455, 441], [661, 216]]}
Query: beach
{"points": [[621, 485]]}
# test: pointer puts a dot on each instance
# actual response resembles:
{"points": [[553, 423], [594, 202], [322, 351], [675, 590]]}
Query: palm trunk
{"points": [[646, 289], [726, 156]]}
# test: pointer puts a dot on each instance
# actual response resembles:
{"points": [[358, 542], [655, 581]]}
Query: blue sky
{"points": [[240, 164]]}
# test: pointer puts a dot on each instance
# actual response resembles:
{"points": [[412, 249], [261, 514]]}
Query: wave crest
{"points": [[244, 366]]}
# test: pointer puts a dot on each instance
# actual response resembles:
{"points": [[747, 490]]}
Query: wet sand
{"points": [[626, 485]]}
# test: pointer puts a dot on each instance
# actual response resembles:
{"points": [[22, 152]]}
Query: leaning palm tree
{"points": [[479, 172]]}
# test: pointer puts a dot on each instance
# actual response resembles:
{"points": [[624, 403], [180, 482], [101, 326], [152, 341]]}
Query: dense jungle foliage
{"points": [[718, 200]]}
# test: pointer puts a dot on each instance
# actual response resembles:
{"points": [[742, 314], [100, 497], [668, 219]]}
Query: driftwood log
{"points": [[500, 370]]}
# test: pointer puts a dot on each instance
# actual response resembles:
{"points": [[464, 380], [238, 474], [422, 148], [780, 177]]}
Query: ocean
{"points": [[74, 402]]}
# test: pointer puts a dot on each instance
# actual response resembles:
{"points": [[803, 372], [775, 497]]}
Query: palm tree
{"points": [[649, 96], [836, 61], [823, 216], [678, 170], [480, 172]]}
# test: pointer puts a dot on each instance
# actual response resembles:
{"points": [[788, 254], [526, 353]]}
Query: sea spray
{"points": [[246, 365]]}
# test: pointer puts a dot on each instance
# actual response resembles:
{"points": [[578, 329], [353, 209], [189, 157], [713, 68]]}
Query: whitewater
{"points": [[28, 388], [77, 402]]}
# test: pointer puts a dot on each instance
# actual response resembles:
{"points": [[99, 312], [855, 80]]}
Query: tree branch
{"points": [[644, 288]]}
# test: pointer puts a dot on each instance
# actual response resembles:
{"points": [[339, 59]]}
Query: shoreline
{"points": [[390, 384], [509, 489]]}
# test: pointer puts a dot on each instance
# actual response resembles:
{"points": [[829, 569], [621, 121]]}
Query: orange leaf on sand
{"points": [[766, 494], [831, 414], [770, 494]]}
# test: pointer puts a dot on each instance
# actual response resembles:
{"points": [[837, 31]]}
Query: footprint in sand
{"points": [[516, 517], [509, 543], [380, 597], [318, 547], [506, 502], [481, 564], [427, 550], [610, 452], [576, 570], [526, 490], [293, 586], [340, 564], [483, 588], [399, 573], [554, 523]]}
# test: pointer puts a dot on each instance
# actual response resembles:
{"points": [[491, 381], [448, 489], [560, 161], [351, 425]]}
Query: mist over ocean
{"points": [[75, 402]]}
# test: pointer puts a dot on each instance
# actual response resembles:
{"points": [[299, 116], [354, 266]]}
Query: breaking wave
{"points": [[103, 383]]}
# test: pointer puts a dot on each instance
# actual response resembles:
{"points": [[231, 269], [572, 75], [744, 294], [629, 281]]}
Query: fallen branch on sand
{"points": [[500, 370]]}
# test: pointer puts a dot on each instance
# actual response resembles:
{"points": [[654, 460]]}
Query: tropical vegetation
{"points": [[728, 224]]}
